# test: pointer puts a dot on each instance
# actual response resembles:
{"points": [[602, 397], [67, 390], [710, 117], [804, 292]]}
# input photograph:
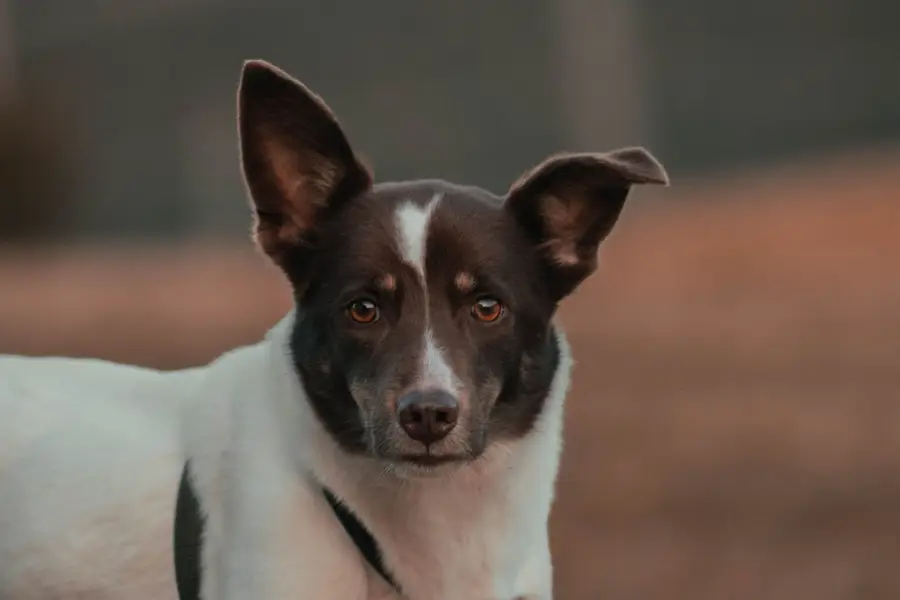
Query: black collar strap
{"points": [[188, 538]]}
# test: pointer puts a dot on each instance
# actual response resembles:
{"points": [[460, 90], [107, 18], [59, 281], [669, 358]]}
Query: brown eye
{"points": [[364, 312], [487, 309]]}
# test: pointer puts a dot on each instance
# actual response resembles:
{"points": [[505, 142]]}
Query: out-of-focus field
{"points": [[734, 426]]}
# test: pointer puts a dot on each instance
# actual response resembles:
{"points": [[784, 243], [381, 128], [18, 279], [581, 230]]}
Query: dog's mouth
{"points": [[415, 465], [432, 460]]}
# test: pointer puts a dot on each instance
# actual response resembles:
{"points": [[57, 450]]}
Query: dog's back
{"points": [[87, 450]]}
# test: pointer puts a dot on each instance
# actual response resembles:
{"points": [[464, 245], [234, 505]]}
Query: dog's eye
{"points": [[487, 309], [364, 312]]}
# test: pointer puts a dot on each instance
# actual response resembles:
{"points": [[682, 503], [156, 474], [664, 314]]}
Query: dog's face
{"points": [[424, 309]]}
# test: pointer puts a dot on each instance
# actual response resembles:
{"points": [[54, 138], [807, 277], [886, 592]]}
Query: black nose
{"points": [[427, 416]]}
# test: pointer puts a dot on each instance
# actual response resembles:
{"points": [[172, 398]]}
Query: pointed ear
{"points": [[568, 204], [297, 163]]}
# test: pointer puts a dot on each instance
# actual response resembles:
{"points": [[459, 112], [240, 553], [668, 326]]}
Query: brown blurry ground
{"points": [[734, 427]]}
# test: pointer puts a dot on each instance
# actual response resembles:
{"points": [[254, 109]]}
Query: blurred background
{"points": [[734, 427]]}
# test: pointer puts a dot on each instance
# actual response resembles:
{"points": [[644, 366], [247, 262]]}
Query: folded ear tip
{"points": [[662, 177], [656, 172]]}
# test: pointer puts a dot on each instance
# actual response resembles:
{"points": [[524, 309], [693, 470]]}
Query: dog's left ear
{"points": [[569, 203], [297, 162]]}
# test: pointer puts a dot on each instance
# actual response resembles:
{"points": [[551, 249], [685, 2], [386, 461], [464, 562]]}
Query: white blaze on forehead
{"points": [[436, 372], [412, 221], [412, 227]]}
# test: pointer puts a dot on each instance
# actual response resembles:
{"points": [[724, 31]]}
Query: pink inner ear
{"points": [[566, 220], [304, 179]]}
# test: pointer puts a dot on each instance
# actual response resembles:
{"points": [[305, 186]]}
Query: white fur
{"points": [[412, 221], [435, 370], [90, 458], [412, 227]]}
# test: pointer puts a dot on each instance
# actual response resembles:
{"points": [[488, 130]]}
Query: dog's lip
{"points": [[431, 460]]}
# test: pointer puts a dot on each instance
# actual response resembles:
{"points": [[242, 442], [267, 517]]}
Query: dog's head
{"points": [[423, 327]]}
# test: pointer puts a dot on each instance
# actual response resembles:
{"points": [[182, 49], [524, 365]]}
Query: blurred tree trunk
{"points": [[33, 191], [32, 179], [600, 73]]}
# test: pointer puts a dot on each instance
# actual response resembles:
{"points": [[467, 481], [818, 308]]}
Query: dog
{"points": [[416, 387]]}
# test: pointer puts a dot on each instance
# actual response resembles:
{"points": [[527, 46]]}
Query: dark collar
{"points": [[188, 538]]}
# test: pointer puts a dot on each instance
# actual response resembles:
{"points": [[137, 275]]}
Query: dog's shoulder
{"points": [[49, 403]]}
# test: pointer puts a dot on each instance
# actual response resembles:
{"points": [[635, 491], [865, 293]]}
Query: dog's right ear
{"points": [[569, 203], [297, 163]]}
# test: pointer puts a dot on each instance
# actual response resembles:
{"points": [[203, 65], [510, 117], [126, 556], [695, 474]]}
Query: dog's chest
{"points": [[456, 544]]}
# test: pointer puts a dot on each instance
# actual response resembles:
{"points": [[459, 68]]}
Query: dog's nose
{"points": [[427, 416]]}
